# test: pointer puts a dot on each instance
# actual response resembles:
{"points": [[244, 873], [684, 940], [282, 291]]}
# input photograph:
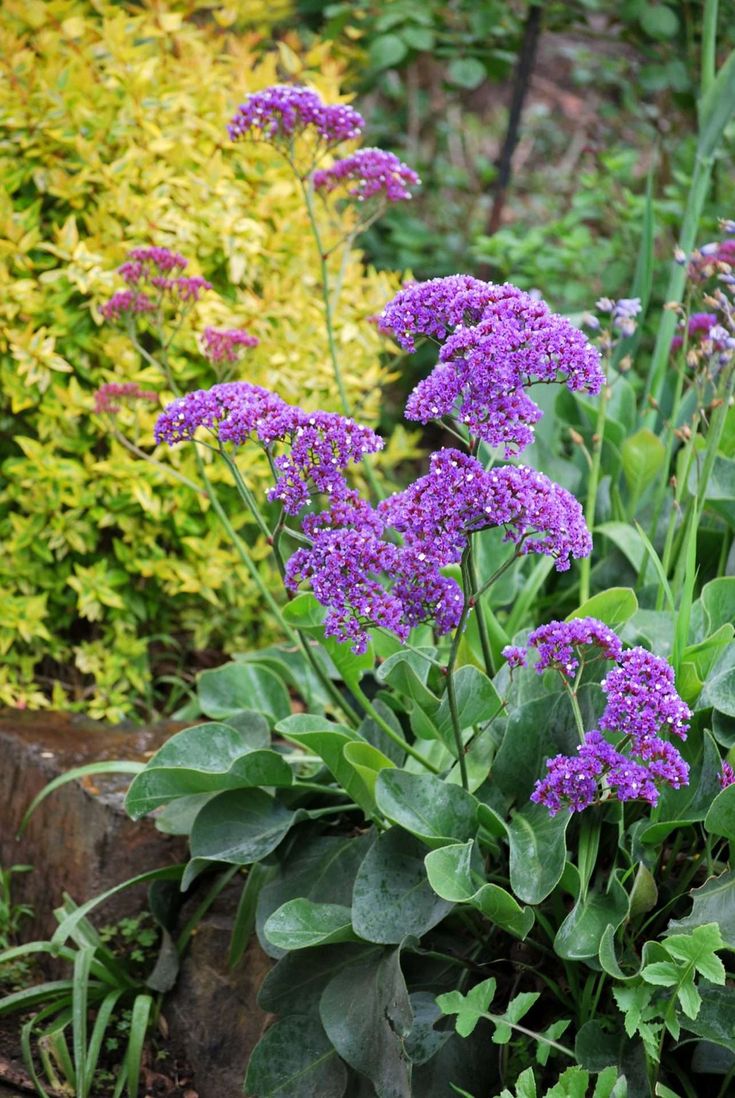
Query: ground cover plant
{"points": [[487, 856]]}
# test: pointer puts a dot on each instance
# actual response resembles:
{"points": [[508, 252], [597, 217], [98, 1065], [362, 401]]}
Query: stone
{"points": [[80, 839], [212, 1013]]}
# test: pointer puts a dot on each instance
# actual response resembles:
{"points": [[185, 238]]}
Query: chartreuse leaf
{"points": [[406, 672], [452, 876], [392, 897], [301, 923], [537, 851], [643, 456], [207, 758], [295, 1059], [517, 1008], [436, 812], [239, 826], [614, 606], [366, 1012], [469, 1008], [225, 690]]}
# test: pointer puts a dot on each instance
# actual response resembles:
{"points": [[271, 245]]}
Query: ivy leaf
{"points": [[469, 1008]]}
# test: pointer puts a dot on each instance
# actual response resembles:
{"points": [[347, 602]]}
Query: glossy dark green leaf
{"points": [[302, 923], [715, 1020], [295, 1059], [239, 826], [436, 812], [406, 671], [713, 902], [579, 936], [392, 897], [371, 732], [237, 686], [424, 1040], [208, 758], [367, 762], [366, 1013], [317, 867], [718, 600], [296, 983], [534, 731], [453, 876], [537, 851]]}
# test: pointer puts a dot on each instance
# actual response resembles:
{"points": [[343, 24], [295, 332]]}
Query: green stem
{"points": [[487, 654], [451, 690], [333, 809], [391, 733], [246, 495], [168, 469], [498, 1020], [526, 597], [709, 45], [585, 566]]}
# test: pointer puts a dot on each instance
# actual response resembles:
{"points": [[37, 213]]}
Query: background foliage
{"points": [[114, 136]]}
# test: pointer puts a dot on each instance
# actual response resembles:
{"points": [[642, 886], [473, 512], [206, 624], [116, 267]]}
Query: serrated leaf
{"points": [[469, 1008]]}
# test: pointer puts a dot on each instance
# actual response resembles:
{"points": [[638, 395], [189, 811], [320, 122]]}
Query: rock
{"points": [[212, 1013], [80, 840]]}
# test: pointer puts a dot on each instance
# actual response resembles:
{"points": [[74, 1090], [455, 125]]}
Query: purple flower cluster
{"points": [[641, 703], [365, 580], [495, 342], [514, 655], [147, 269], [126, 303], [369, 173], [320, 444], [283, 111], [458, 496], [727, 775], [558, 643], [642, 698], [225, 344], [108, 396]]}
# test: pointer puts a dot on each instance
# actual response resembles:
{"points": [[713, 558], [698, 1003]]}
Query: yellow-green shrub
{"points": [[113, 136]]}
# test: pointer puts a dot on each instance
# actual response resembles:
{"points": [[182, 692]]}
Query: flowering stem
{"points": [[487, 654], [168, 469], [585, 565], [391, 733], [574, 700], [246, 495], [451, 691]]}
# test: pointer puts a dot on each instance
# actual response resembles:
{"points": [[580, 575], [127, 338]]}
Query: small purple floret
{"points": [[557, 642], [226, 344], [514, 655]]}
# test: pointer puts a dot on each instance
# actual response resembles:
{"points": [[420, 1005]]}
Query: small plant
{"points": [[12, 974]]}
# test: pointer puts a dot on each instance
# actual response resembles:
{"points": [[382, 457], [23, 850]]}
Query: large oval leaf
{"points": [[436, 812], [295, 1059], [392, 896], [452, 876], [580, 935], [235, 686], [301, 923], [207, 758], [240, 826], [537, 852]]}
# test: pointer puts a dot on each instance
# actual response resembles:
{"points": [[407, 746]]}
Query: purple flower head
{"points": [[281, 112], [727, 774], [558, 642], [108, 397], [369, 173], [496, 341], [225, 345], [365, 581], [642, 698], [186, 289], [458, 496], [144, 264], [699, 325], [515, 656], [126, 303], [320, 445]]}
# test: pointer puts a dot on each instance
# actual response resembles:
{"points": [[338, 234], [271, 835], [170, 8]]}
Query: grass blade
{"points": [[656, 561], [138, 1028], [101, 1023], [80, 1005], [72, 775]]}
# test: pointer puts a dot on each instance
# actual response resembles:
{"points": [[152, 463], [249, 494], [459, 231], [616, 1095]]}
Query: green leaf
{"points": [[713, 902], [580, 935], [466, 72], [614, 606], [477, 701], [435, 811], [658, 20], [239, 826], [661, 973], [718, 600], [368, 762], [366, 1013], [295, 1059], [392, 897], [69, 923], [306, 613], [329, 745], [720, 819], [716, 109], [406, 671], [207, 758], [139, 1018], [698, 949], [235, 686], [452, 877], [536, 730], [643, 457], [418, 38], [386, 51], [716, 1018], [296, 983], [424, 1041], [301, 923], [469, 1008], [537, 851], [626, 539]]}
